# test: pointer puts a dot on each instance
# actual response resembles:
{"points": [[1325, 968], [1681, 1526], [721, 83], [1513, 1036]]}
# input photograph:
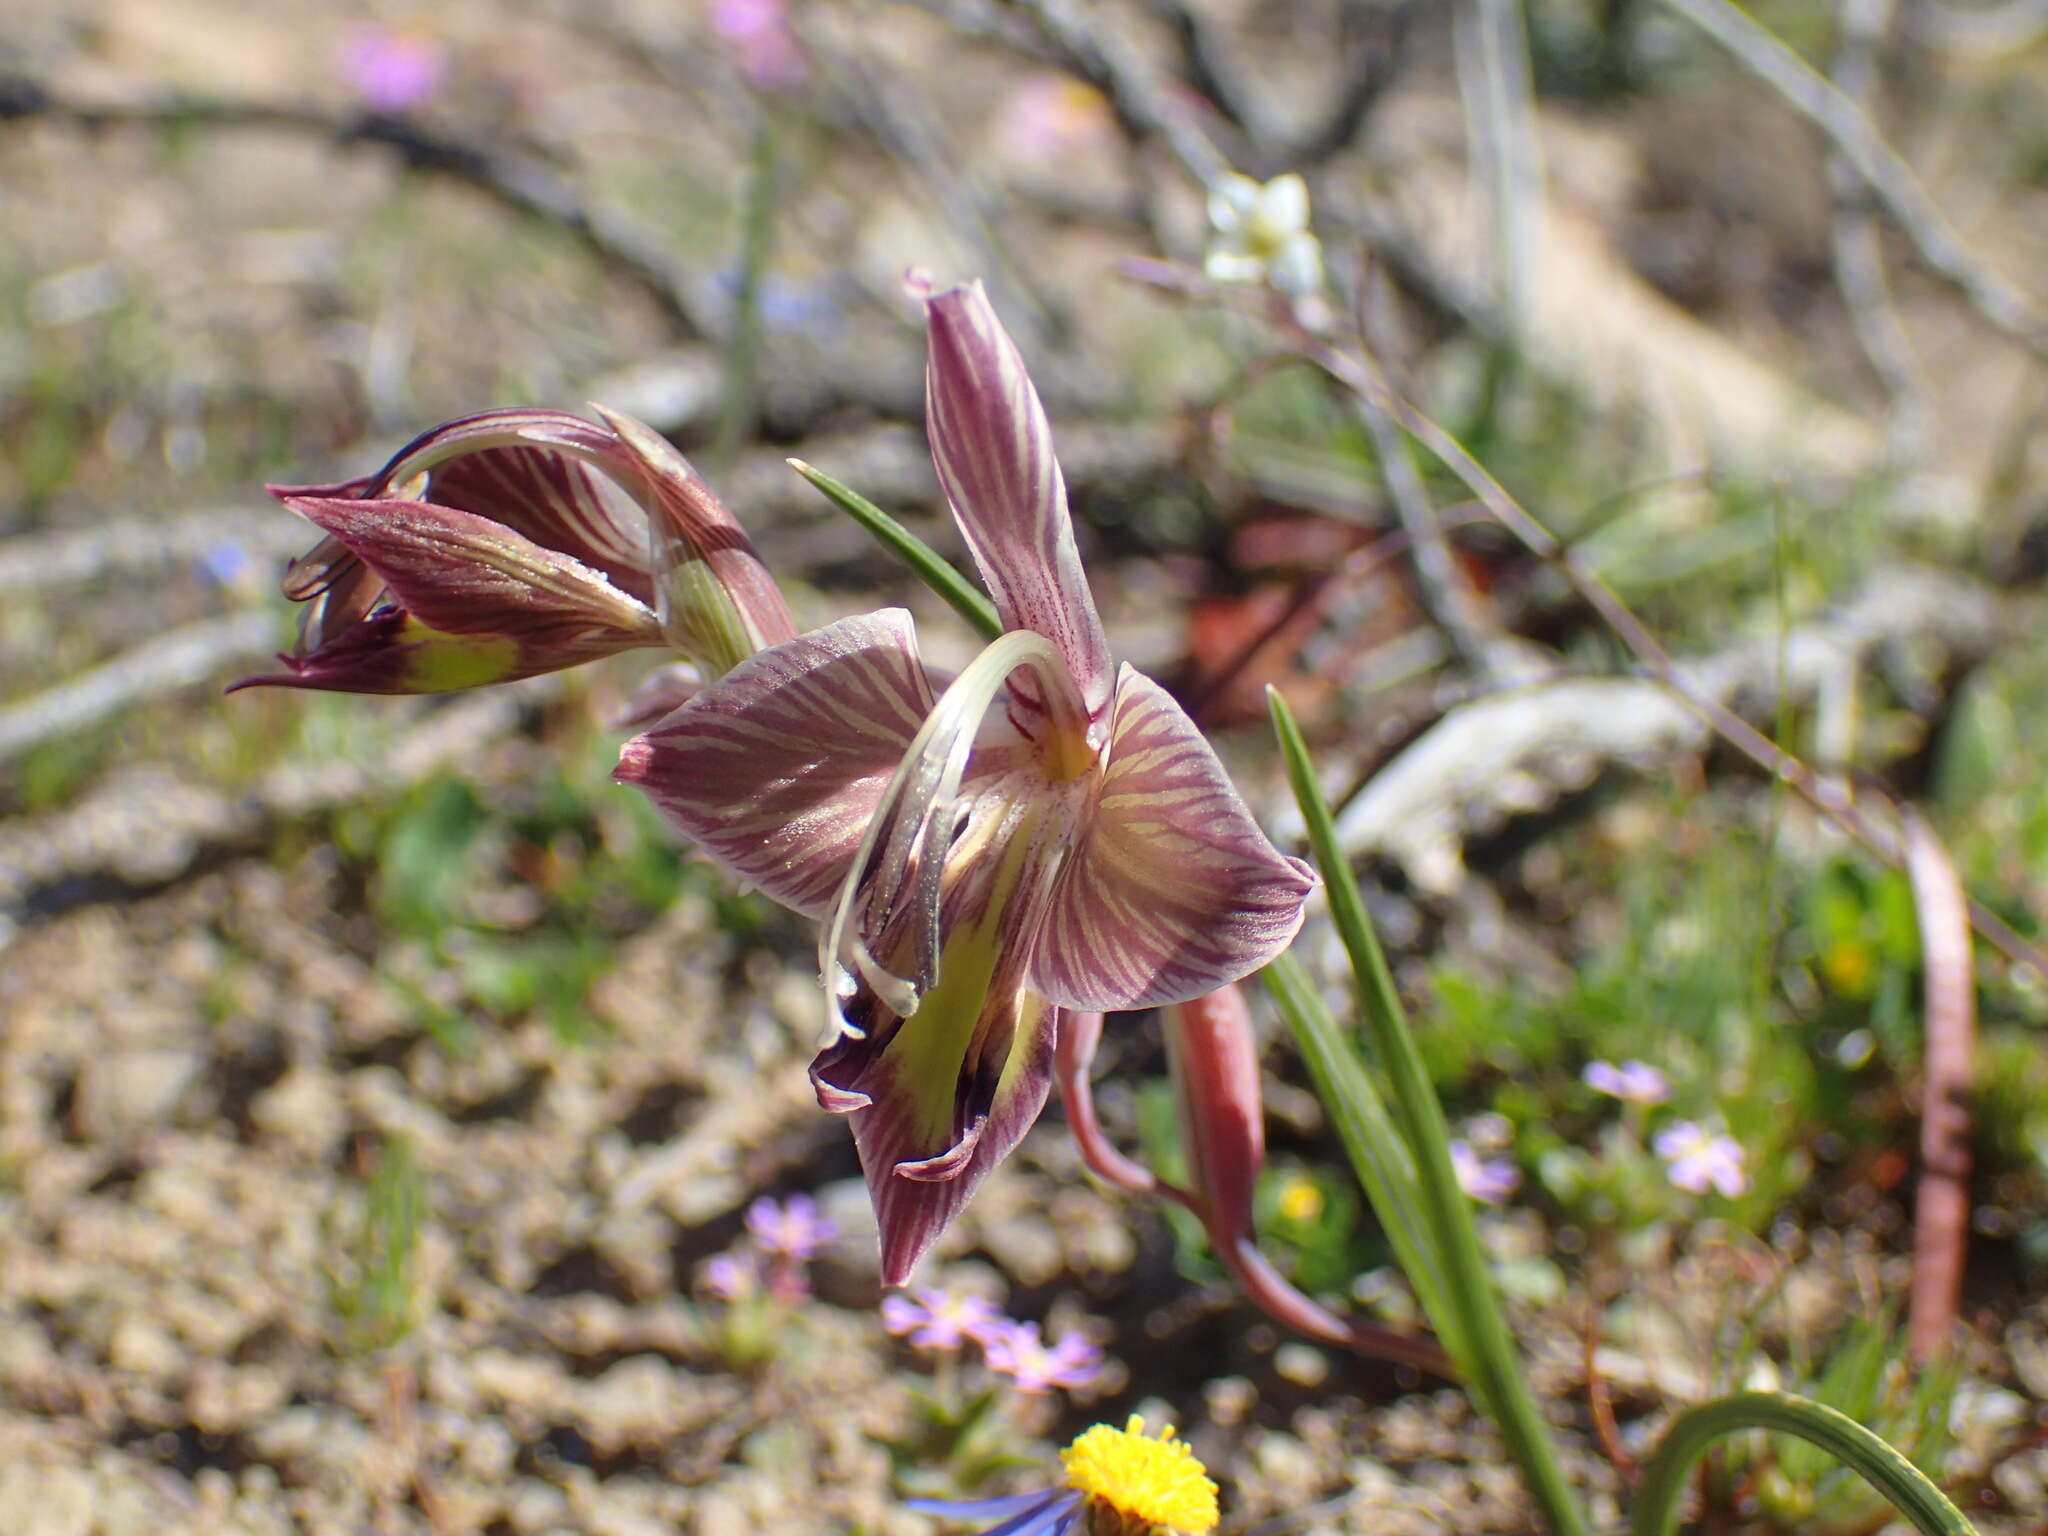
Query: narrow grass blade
{"points": [[1497, 1382], [1668, 1472], [757, 249], [932, 568], [1378, 1152]]}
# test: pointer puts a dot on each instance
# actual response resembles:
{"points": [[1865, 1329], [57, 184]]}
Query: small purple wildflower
{"points": [[943, 1320], [790, 1229], [1635, 1082], [762, 43], [1487, 1180], [730, 1276], [1020, 1353], [1700, 1160], [225, 563], [392, 70]]}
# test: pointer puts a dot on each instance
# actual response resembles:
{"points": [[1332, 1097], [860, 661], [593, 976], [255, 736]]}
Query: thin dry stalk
{"points": [[1941, 1209], [1447, 597], [1495, 80], [517, 181], [1888, 176], [1827, 795], [1859, 249]]}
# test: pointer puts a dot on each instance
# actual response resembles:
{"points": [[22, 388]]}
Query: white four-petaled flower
{"points": [[1260, 233]]}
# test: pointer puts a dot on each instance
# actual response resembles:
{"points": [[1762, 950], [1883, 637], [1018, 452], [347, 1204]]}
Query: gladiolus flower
{"points": [[1120, 1482], [512, 543], [1044, 833]]}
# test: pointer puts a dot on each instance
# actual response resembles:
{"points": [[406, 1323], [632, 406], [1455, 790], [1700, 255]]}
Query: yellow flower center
{"points": [[1144, 1483], [1300, 1200]]}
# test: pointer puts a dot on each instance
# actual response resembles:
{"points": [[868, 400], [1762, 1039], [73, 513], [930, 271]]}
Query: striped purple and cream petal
{"points": [[994, 452], [1173, 890], [547, 474], [736, 608], [776, 769], [936, 1103], [615, 503], [461, 601], [556, 501], [470, 575], [339, 591]]}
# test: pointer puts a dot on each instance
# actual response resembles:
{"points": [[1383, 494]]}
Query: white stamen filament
{"points": [[914, 820]]}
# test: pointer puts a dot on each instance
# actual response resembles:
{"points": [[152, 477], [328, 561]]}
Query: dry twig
{"points": [[1446, 596], [1889, 178], [1827, 795], [516, 180], [1859, 252]]}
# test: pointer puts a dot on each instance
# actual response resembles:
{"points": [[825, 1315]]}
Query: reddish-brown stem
{"points": [[1600, 1402], [1941, 1210], [1265, 1286], [1073, 1053]]}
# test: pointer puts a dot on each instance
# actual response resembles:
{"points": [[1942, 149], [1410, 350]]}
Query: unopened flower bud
{"points": [[518, 542]]}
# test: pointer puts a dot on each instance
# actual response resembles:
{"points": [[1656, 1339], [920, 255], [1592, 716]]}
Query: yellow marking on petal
{"points": [[930, 1048], [442, 663], [1067, 753], [1145, 1483]]}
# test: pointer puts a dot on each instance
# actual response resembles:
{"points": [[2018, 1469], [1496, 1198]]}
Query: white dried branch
{"points": [[136, 546], [147, 823], [166, 663], [1520, 751], [1890, 179]]}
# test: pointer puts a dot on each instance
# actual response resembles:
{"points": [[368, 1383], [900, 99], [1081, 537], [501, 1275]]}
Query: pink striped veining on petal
{"points": [[999, 1101], [1173, 890], [775, 769], [468, 575], [685, 508], [993, 449], [555, 501]]}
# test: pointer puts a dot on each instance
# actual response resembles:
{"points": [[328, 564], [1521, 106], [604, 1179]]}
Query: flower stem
{"points": [[757, 249], [1669, 1469], [1497, 1379]]}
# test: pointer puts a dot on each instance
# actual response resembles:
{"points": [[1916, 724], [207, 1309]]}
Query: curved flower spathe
{"points": [[516, 542], [1043, 832]]}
